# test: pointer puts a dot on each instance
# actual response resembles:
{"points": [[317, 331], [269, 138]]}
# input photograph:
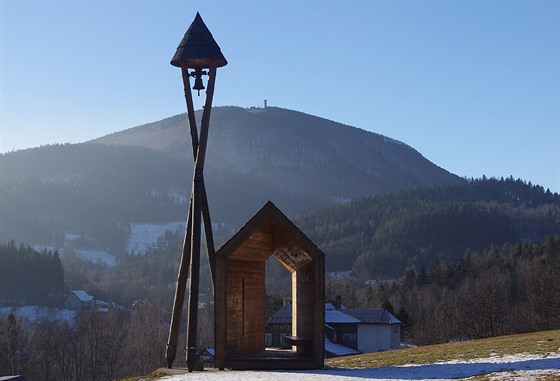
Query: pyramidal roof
{"points": [[198, 49]]}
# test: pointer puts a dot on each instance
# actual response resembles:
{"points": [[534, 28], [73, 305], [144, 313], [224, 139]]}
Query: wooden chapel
{"points": [[240, 295]]}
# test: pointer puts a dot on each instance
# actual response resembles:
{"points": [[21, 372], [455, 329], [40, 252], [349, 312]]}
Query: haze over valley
{"points": [[107, 217]]}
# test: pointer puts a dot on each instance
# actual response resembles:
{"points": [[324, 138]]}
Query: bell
{"points": [[198, 85]]}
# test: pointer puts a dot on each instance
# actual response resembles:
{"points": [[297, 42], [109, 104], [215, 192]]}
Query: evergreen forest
{"points": [[29, 277], [379, 236]]}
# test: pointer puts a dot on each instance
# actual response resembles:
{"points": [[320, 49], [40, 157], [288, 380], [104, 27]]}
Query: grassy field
{"points": [[536, 343], [539, 343]]}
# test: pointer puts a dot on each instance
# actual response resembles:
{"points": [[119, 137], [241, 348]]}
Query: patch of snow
{"points": [[341, 200], [516, 367], [68, 179], [35, 313], [174, 194], [180, 197], [521, 366], [338, 349], [71, 237], [339, 274], [97, 256], [375, 282], [331, 306], [41, 248], [145, 236]]}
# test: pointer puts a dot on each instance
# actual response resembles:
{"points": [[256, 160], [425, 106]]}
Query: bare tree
{"points": [[101, 340], [484, 303], [113, 342], [16, 337], [146, 342]]}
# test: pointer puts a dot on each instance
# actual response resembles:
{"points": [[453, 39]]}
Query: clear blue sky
{"points": [[473, 85]]}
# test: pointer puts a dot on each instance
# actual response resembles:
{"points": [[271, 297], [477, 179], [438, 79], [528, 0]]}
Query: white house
{"points": [[347, 330], [377, 330]]}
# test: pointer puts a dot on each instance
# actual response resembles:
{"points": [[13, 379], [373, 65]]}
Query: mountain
{"points": [[292, 145], [299, 161], [143, 174]]}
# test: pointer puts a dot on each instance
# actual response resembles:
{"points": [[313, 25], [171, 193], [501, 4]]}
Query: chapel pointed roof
{"points": [[270, 232], [198, 49]]}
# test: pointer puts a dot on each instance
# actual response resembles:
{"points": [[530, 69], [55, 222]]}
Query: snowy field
{"points": [[34, 313], [511, 367], [144, 236]]}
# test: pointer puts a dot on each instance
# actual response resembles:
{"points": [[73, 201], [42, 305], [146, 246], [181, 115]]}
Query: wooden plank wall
{"points": [[245, 285], [303, 302], [220, 314], [319, 315]]}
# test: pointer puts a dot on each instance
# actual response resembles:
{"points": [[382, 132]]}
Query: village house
{"points": [[207, 357], [347, 330], [79, 300], [366, 329]]}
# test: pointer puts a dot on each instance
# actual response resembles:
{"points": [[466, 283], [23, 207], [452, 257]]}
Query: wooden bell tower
{"points": [[198, 55]]}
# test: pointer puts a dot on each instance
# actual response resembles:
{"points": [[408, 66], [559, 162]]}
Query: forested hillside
{"points": [[378, 237], [92, 190]]}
